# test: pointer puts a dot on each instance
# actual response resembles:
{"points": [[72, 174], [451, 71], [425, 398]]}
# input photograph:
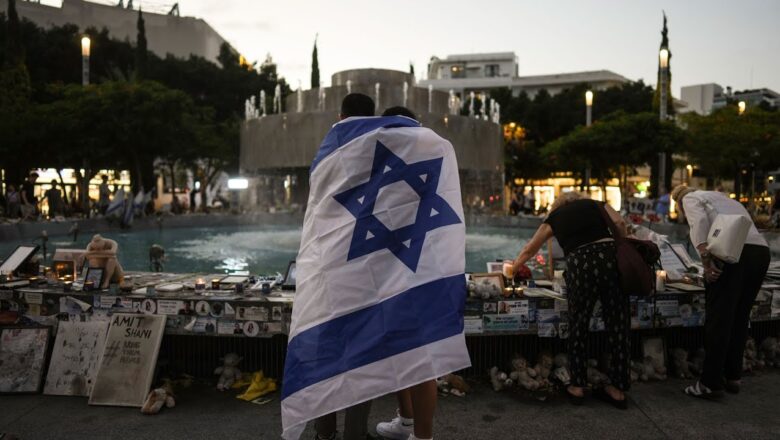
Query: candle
{"points": [[215, 284], [200, 284], [660, 280], [89, 285], [67, 286], [509, 269]]}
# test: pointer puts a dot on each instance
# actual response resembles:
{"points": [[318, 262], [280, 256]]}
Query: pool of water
{"points": [[260, 250]]}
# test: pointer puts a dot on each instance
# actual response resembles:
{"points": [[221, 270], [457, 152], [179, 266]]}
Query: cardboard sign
{"points": [[129, 357], [22, 359], [75, 358]]}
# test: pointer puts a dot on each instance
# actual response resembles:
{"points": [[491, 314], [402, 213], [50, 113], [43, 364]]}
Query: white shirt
{"points": [[701, 208]]}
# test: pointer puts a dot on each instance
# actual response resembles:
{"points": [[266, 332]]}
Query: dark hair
{"points": [[34, 175], [357, 104], [399, 111]]}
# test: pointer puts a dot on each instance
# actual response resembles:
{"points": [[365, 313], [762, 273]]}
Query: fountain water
{"points": [[321, 96], [471, 104], [496, 112], [376, 94], [406, 93], [483, 107], [300, 100], [349, 86], [452, 103], [262, 101], [278, 99], [430, 98]]}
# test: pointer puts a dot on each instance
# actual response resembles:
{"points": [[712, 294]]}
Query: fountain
{"points": [[406, 93], [262, 101], [483, 107], [278, 99], [471, 104], [300, 100], [376, 94], [452, 103], [321, 96], [349, 86]]}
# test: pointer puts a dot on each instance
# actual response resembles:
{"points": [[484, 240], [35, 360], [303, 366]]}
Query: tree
{"points": [[411, 69], [725, 143], [140, 47], [13, 47], [315, 67]]}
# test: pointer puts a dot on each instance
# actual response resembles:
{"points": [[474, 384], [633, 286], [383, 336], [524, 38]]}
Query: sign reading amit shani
{"points": [[130, 354]]}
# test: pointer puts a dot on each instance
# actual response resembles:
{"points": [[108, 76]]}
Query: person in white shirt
{"points": [[731, 290]]}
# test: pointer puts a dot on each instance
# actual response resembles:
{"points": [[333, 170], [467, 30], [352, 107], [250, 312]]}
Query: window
{"points": [[491, 70], [457, 72]]}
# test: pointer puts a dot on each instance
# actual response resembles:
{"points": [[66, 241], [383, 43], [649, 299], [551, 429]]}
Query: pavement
{"points": [[658, 410]]}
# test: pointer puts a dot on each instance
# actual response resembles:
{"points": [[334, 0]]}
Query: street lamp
{"points": [[588, 121], [742, 107], [663, 61], [85, 46]]}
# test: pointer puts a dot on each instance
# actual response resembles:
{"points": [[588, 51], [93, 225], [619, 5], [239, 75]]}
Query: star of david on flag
{"points": [[406, 242], [380, 287]]}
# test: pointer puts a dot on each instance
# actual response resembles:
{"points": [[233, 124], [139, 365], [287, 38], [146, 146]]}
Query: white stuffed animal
{"points": [[228, 372]]}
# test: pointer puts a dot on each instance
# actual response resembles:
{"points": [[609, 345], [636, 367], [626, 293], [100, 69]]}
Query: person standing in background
{"points": [[12, 200], [731, 290], [104, 197], [29, 201]]}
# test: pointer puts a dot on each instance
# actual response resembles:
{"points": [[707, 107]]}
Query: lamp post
{"points": [[85, 46], [663, 59], [588, 121]]}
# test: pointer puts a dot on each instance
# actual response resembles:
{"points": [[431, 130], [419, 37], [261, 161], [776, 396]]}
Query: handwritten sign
{"points": [[129, 356], [75, 358], [22, 359]]}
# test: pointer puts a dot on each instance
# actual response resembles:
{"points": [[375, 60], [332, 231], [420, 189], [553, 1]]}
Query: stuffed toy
{"points": [[561, 372], [259, 386], [653, 369], [595, 377], [543, 368], [637, 372], [101, 252], [696, 365], [499, 379], [157, 398], [680, 362], [524, 375], [228, 372], [472, 288], [452, 384], [770, 352], [750, 360]]}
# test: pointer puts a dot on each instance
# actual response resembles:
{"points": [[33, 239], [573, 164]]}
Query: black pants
{"points": [[592, 275], [355, 422], [729, 301]]}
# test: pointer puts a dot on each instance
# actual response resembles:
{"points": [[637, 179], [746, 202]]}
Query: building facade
{"points": [[704, 98], [166, 33], [482, 72]]}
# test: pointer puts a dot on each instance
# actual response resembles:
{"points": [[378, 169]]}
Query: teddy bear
{"points": [[543, 368], [228, 372], [637, 372], [696, 365], [452, 384], [770, 352], [522, 374], [561, 372], [595, 377], [750, 360], [101, 252], [654, 369], [472, 289], [157, 398], [680, 362], [499, 379]]}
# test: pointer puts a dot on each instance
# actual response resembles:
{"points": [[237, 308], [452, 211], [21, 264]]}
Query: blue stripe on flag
{"points": [[344, 132], [412, 319]]}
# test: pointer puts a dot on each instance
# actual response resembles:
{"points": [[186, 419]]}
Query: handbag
{"points": [[635, 260], [727, 236]]}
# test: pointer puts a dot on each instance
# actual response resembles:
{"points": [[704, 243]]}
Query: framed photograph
{"points": [[493, 282], [23, 359], [655, 348], [495, 267], [18, 257], [94, 274]]}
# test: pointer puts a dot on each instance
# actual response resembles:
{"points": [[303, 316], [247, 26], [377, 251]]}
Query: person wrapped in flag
{"points": [[381, 286]]}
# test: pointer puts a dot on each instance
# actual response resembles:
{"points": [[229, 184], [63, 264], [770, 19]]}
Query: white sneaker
{"points": [[395, 429]]}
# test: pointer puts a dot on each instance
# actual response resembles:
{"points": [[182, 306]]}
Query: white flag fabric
{"points": [[380, 271]]}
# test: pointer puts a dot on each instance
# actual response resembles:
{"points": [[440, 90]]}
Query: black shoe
{"points": [[604, 396], [731, 387], [575, 400]]}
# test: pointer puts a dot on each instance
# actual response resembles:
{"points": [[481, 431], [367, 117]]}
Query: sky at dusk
{"points": [[732, 43]]}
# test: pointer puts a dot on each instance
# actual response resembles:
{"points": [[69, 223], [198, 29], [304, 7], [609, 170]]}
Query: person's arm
{"points": [[541, 236], [24, 198]]}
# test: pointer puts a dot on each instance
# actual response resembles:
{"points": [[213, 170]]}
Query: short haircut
{"points": [[399, 111], [357, 104], [34, 175]]}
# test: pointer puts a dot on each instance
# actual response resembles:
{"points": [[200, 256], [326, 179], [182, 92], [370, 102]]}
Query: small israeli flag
{"points": [[380, 284]]}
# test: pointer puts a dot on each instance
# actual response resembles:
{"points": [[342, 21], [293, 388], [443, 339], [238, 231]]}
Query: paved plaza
{"points": [[658, 410]]}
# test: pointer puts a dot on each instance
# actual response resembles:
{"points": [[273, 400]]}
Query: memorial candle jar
{"points": [[215, 284], [660, 280], [200, 285]]}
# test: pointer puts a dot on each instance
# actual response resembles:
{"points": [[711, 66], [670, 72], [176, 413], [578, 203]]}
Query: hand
{"points": [[516, 265], [711, 272]]}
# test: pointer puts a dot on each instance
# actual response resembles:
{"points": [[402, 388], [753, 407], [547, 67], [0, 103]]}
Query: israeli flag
{"points": [[380, 283]]}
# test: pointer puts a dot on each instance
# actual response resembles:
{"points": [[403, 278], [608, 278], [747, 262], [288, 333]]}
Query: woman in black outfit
{"points": [[578, 224]]}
